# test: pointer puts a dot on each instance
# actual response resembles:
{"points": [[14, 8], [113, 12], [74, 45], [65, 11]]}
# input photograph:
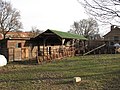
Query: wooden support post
{"points": [[30, 50], [38, 50], [84, 46], [13, 54], [38, 55], [63, 40], [72, 48], [44, 40]]}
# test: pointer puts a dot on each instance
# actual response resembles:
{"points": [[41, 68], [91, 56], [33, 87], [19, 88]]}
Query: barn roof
{"points": [[54, 34], [68, 35]]}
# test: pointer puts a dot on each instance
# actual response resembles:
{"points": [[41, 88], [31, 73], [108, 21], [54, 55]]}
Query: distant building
{"points": [[111, 39], [113, 36]]}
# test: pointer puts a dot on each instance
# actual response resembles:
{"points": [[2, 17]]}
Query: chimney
{"points": [[112, 27]]}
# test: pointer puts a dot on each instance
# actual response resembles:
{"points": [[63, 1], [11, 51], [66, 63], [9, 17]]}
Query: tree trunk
{"points": [[4, 35]]}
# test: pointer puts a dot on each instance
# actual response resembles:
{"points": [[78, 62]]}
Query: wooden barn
{"points": [[46, 46], [54, 44]]}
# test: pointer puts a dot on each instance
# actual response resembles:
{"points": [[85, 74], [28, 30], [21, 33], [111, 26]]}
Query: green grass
{"points": [[98, 72]]}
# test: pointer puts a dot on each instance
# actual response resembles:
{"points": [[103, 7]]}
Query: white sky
{"points": [[49, 14]]}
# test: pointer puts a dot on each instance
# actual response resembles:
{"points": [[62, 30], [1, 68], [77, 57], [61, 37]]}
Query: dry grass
{"points": [[98, 72]]}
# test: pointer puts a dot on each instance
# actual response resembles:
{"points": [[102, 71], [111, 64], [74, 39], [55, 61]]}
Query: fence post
{"points": [[13, 54]]}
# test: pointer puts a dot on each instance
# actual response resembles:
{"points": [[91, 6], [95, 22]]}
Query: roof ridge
{"points": [[68, 35]]}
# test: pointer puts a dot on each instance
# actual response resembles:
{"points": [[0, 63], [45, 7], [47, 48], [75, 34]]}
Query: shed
{"points": [[54, 44], [15, 49]]}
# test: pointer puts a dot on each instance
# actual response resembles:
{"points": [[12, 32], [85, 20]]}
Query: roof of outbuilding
{"points": [[68, 35], [64, 35]]}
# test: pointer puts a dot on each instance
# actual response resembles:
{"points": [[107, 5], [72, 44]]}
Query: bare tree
{"points": [[35, 31], [106, 11], [9, 18], [85, 27]]}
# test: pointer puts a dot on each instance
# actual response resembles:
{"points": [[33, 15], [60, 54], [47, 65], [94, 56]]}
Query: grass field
{"points": [[98, 72]]}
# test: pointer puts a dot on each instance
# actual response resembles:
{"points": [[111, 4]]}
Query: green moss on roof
{"points": [[68, 35]]}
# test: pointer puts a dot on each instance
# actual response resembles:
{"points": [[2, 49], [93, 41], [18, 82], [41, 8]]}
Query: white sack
{"points": [[3, 60], [77, 79], [116, 45]]}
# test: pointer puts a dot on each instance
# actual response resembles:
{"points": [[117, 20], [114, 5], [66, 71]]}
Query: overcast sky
{"points": [[49, 14]]}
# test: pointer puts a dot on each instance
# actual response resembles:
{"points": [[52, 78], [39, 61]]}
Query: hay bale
{"points": [[118, 50], [3, 61]]}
